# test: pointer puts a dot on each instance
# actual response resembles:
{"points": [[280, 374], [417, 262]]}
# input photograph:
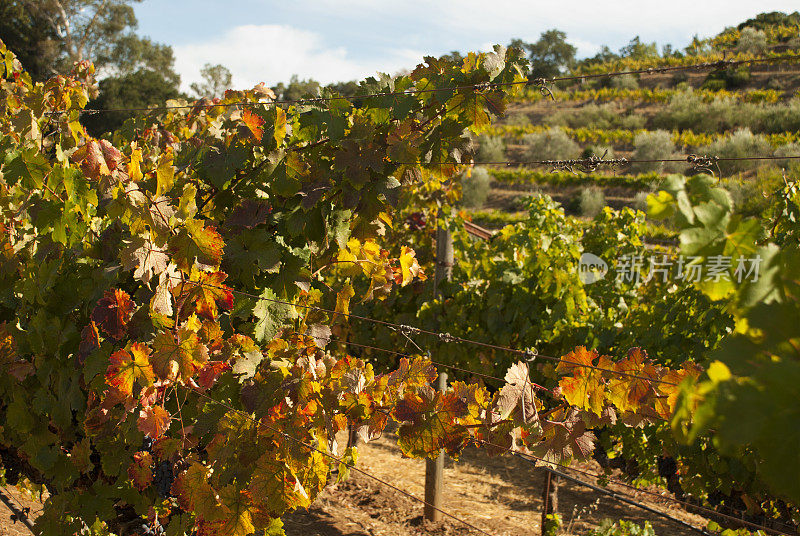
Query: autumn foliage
{"points": [[167, 296]]}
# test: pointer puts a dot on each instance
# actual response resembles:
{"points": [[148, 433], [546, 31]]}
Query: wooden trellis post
{"points": [[434, 469]]}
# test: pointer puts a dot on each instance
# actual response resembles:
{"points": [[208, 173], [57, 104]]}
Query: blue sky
{"points": [[331, 40]]}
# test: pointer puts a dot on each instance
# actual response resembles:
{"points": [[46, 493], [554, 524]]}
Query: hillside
{"points": [[606, 118]]}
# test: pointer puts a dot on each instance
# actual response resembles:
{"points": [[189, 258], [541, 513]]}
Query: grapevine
{"points": [[141, 380]]}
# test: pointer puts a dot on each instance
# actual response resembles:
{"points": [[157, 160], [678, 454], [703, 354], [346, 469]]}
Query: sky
{"points": [[336, 40]]}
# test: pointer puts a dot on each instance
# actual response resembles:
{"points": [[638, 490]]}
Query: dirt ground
{"points": [[501, 495], [7, 526]]}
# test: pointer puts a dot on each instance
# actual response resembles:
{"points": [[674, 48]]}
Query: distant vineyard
{"points": [[653, 95], [635, 64], [620, 137]]}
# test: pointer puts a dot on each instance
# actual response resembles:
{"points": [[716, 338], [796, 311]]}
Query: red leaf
{"points": [[111, 155], [254, 123], [113, 312], [90, 341], [209, 374], [139, 471], [206, 291], [153, 421]]}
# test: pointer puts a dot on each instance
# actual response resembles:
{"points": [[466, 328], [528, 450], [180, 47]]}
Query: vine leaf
{"points": [[80, 456], [90, 341], [145, 258], [206, 291], [178, 355], [140, 470], [343, 299], [585, 387], [249, 214], [153, 421], [270, 315], [112, 313], [629, 393], [135, 164], [431, 426], [231, 518], [565, 439], [97, 158], [276, 488], [409, 266], [192, 490], [127, 367], [254, 123], [411, 373], [517, 396], [210, 373], [165, 173], [196, 241]]}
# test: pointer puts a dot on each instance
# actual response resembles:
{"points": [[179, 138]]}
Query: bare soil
{"points": [[501, 495]]}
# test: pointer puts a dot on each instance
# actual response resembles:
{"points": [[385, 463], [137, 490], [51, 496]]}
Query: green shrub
{"points": [[776, 118], [790, 149], [600, 151], [490, 149], [640, 201], [553, 144], [656, 145], [475, 186], [518, 120], [751, 41], [592, 115], [740, 144], [591, 201], [680, 77], [688, 111], [552, 525], [632, 121], [731, 78], [714, 84], [626, 81]]}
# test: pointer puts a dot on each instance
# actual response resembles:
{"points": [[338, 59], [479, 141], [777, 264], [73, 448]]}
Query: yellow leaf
{"points": [[343, 299], [719, 372], [165, 173], [409, 266], [280, 125], [135, 165], [385, 218]]}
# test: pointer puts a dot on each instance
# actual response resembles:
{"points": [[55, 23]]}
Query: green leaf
{"points": [[271, 316], [28, 167]]}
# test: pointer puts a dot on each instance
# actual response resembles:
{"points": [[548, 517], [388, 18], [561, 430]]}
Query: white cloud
{"points": [[273, 53], [585, 48], [613, 23]]}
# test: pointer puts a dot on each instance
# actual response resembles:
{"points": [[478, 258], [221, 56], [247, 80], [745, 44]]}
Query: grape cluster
{"points": [[147, 444], [667, 466], [416, 221], [152, 530], [163, 477], [600, 456]]}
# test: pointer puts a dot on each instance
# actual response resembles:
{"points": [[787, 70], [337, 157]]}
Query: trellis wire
{"points": [[530, 355]]}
